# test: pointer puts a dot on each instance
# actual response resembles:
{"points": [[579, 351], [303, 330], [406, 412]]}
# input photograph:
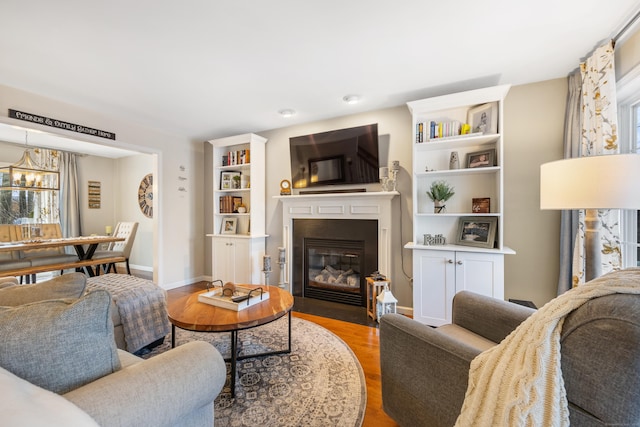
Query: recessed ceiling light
{"points": [[351, 99], [288, 112]]}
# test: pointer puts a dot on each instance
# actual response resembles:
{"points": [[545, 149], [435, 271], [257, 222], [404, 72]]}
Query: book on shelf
{"points": [[238, 157], [226, 204], [426, 131]]}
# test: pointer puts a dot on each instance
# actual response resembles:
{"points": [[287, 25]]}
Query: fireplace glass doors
{"points": [[332, 258], [336, 267]]}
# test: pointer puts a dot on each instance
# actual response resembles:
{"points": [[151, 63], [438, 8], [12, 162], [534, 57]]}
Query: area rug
{"points": [[320, 383]]}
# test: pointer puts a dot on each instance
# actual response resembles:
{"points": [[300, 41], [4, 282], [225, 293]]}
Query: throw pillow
{"points": [[66, 286], [59, 345]]}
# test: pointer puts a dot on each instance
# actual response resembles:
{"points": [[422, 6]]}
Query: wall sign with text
{"points": [[47, 121]]}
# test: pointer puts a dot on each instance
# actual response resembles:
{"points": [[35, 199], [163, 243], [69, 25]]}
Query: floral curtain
{"points": [[599, 137]]}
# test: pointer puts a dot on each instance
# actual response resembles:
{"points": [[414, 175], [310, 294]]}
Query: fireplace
{"points": [[348, 209], [332, 257]]}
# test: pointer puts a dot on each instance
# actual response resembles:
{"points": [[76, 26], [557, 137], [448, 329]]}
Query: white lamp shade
{"points": [[595, 182]]}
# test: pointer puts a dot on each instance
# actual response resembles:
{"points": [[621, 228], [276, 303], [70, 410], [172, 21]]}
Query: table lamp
{"points": [[591, 183]]}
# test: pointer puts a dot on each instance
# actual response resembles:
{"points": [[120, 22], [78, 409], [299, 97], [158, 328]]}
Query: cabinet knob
{"points": [[450, 261], [459, 262]]}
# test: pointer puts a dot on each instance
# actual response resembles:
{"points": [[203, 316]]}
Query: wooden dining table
{"points": [[79, 243]]}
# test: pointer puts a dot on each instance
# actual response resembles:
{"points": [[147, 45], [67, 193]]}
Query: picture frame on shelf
{"points": [[229, 225], [484, 118], [228, 180], [478, 231], [481, 159]]}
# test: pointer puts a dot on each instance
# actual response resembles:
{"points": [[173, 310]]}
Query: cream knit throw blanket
{"points": [[519, 382]]}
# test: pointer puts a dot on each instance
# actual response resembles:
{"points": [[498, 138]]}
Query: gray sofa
{"points": [[425, 370], [59, 365]]}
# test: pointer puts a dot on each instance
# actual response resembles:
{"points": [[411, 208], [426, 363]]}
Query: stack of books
{"points": [[426, 131], [226, 204], [239, 157]]}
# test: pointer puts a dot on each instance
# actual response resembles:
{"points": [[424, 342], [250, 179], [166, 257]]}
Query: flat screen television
{"points": [[338, 157]]}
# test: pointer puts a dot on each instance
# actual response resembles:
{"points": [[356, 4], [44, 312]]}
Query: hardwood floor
{"points": [[364, 341]]}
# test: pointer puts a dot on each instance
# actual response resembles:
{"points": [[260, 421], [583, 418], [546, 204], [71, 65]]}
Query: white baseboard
{"points": [[181, 283], [141, 267], [407, 311]]}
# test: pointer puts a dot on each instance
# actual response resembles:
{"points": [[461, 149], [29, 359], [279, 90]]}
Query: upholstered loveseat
{"points": [[425, 370], [59, 365]]}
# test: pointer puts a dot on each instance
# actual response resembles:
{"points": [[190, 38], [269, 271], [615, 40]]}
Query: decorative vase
{"points": [[454, 160], [439, 206]]}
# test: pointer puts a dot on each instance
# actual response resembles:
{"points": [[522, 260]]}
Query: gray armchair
{"points": [[425, 370]]}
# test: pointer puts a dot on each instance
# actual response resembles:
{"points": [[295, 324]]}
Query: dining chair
{"points": [[10, 260], [127, 230]]}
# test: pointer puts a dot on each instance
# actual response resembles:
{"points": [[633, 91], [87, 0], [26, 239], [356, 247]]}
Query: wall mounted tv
{"points": [[338, 157]]}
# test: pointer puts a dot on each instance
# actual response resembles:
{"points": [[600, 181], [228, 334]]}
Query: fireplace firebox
{"points": [[332, 257]]}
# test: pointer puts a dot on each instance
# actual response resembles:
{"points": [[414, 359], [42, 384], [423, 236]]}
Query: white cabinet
{"points": [[468, 260], [238, 239], [439, 274], [234, 259]]}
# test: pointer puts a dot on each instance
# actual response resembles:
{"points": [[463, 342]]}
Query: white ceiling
{"points": [[211, 68]]}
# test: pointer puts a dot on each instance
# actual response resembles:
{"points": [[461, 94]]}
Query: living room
{"points": [[173, 247]]}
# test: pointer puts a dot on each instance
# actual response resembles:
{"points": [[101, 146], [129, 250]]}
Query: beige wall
{"points": [[178, 231], [534, 115], [396, 136], [534, 118], [101, 169], [627, 55], [533, 132], [129, 172]]}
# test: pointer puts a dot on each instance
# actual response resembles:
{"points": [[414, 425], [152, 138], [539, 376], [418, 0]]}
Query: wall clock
{"points": [[145, 195]]}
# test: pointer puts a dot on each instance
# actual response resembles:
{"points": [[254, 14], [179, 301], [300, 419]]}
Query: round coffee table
{"points": [[188, 313]]}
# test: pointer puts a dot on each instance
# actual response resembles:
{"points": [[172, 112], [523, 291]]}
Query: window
{"points": [[629, 137], [15, 206], [20, 206], [24, 206]]}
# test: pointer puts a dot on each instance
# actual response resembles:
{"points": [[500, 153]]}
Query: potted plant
{"points": [[439, 193]]}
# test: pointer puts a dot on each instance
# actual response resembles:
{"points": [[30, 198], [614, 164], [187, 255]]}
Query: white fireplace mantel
{"points": [[364, 205]]}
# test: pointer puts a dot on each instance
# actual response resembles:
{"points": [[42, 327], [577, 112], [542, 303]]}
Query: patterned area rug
{"points": [[320, 383]]}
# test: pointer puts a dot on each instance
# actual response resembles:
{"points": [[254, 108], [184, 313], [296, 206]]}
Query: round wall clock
{"points": [[145, 196]]}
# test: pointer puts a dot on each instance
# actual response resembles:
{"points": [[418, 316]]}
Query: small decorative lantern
{"points": [[386, 302]]}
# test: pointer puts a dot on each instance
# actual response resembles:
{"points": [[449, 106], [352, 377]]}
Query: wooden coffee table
{"points": [[190, 314]]}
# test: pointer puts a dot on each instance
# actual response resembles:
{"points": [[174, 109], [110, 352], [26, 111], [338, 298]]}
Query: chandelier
{"points": [[26, 174]]}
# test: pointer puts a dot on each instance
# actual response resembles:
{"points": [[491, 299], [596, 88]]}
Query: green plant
{"points": [[440, 190]]}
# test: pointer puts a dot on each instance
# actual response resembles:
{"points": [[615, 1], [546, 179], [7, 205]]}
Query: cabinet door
{"points": [[241, 263], [482, 273], [433, 286], [222, 262], [231, 260]]}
